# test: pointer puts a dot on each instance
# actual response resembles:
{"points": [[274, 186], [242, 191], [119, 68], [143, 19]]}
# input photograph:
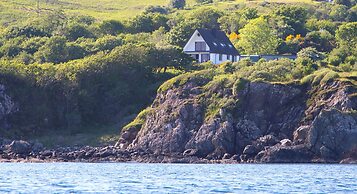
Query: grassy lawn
{"points": [[17, 10]]}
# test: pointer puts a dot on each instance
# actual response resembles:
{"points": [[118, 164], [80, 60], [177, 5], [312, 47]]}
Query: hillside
{"points": [[19, 10], [80, 72]]}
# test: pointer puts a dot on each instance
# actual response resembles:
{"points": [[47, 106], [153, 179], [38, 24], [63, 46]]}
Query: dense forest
{"points": [[67, 71]]}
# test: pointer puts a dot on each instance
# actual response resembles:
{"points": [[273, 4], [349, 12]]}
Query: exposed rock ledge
{"points": [[7, 107], [265, 123]]}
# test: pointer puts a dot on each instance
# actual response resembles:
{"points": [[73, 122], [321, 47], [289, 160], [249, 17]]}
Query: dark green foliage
{"points": [[352, 14], [177, 4], [147, 23], [347, 3], [339, 13], [54, 50], [27, 31], [95, 89], [322, 40], [75, 31], [201, 18], [111, 27], [155, 9], [294, 16], [106, 43], [180, 33], [316, 25]]}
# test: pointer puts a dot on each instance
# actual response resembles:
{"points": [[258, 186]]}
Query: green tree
{"points": [[322, 40], [347, 35], [147, 23], [75, 31], [347, 3], [177, 4], [295, 16], [352, 14], [180, 33], [257, 37], [339, 12], [54, 50], [314, 24], [111, 27]]}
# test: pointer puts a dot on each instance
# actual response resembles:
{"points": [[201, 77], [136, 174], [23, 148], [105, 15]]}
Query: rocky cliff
{"points": [[214, 119], [7, 107]]}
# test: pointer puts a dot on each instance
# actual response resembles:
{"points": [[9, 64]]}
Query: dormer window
{"points": [[215, 44]]}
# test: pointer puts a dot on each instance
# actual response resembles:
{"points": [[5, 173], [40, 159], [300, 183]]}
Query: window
{"points": [[205, 57], [228, 57], [200, 46], [220, 57]]}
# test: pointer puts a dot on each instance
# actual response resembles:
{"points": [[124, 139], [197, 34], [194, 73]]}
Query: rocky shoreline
{"points": [[259, 123], [26, 152]]}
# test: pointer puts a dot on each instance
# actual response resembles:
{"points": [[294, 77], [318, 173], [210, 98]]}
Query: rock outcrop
{"points": [[258, 122], [7, 107]]}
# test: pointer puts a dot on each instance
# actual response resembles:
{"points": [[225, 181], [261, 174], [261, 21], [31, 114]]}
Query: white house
{"points": [[211, 45]]}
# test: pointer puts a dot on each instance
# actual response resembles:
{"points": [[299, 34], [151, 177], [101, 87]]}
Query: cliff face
{"points": [[7, 107], [250, 122]]}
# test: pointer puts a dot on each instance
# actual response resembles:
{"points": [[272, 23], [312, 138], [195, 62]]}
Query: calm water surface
{"points": [[177, 178]]}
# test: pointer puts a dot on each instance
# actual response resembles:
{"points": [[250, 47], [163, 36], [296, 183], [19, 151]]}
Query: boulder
{"points": [[190, 152], [249, 150], [37, 147], [334, 130], [301, 133], [268, 140], [286, 154], [226, 156], [286, 142], [235, 157], [20, 147]]}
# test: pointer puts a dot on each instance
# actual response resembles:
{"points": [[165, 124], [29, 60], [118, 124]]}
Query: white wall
{"points": [[215, 58], [190, 46]]}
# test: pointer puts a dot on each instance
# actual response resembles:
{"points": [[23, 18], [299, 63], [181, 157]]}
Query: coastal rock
{"points": [[257, 129], [286, 154], [20, 147], [37, 147], [301, 133], [286, 142], [249, 150], [7, 107], [335, 131]]}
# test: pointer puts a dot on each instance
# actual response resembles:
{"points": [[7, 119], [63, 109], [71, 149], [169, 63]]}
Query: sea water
{"points": [[177, 178]]}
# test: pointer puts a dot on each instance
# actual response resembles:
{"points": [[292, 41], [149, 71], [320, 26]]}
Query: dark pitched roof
{"points": [[218, 41]]}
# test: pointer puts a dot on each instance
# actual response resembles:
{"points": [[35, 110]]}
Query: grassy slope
{"points": [[18, 10]]}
